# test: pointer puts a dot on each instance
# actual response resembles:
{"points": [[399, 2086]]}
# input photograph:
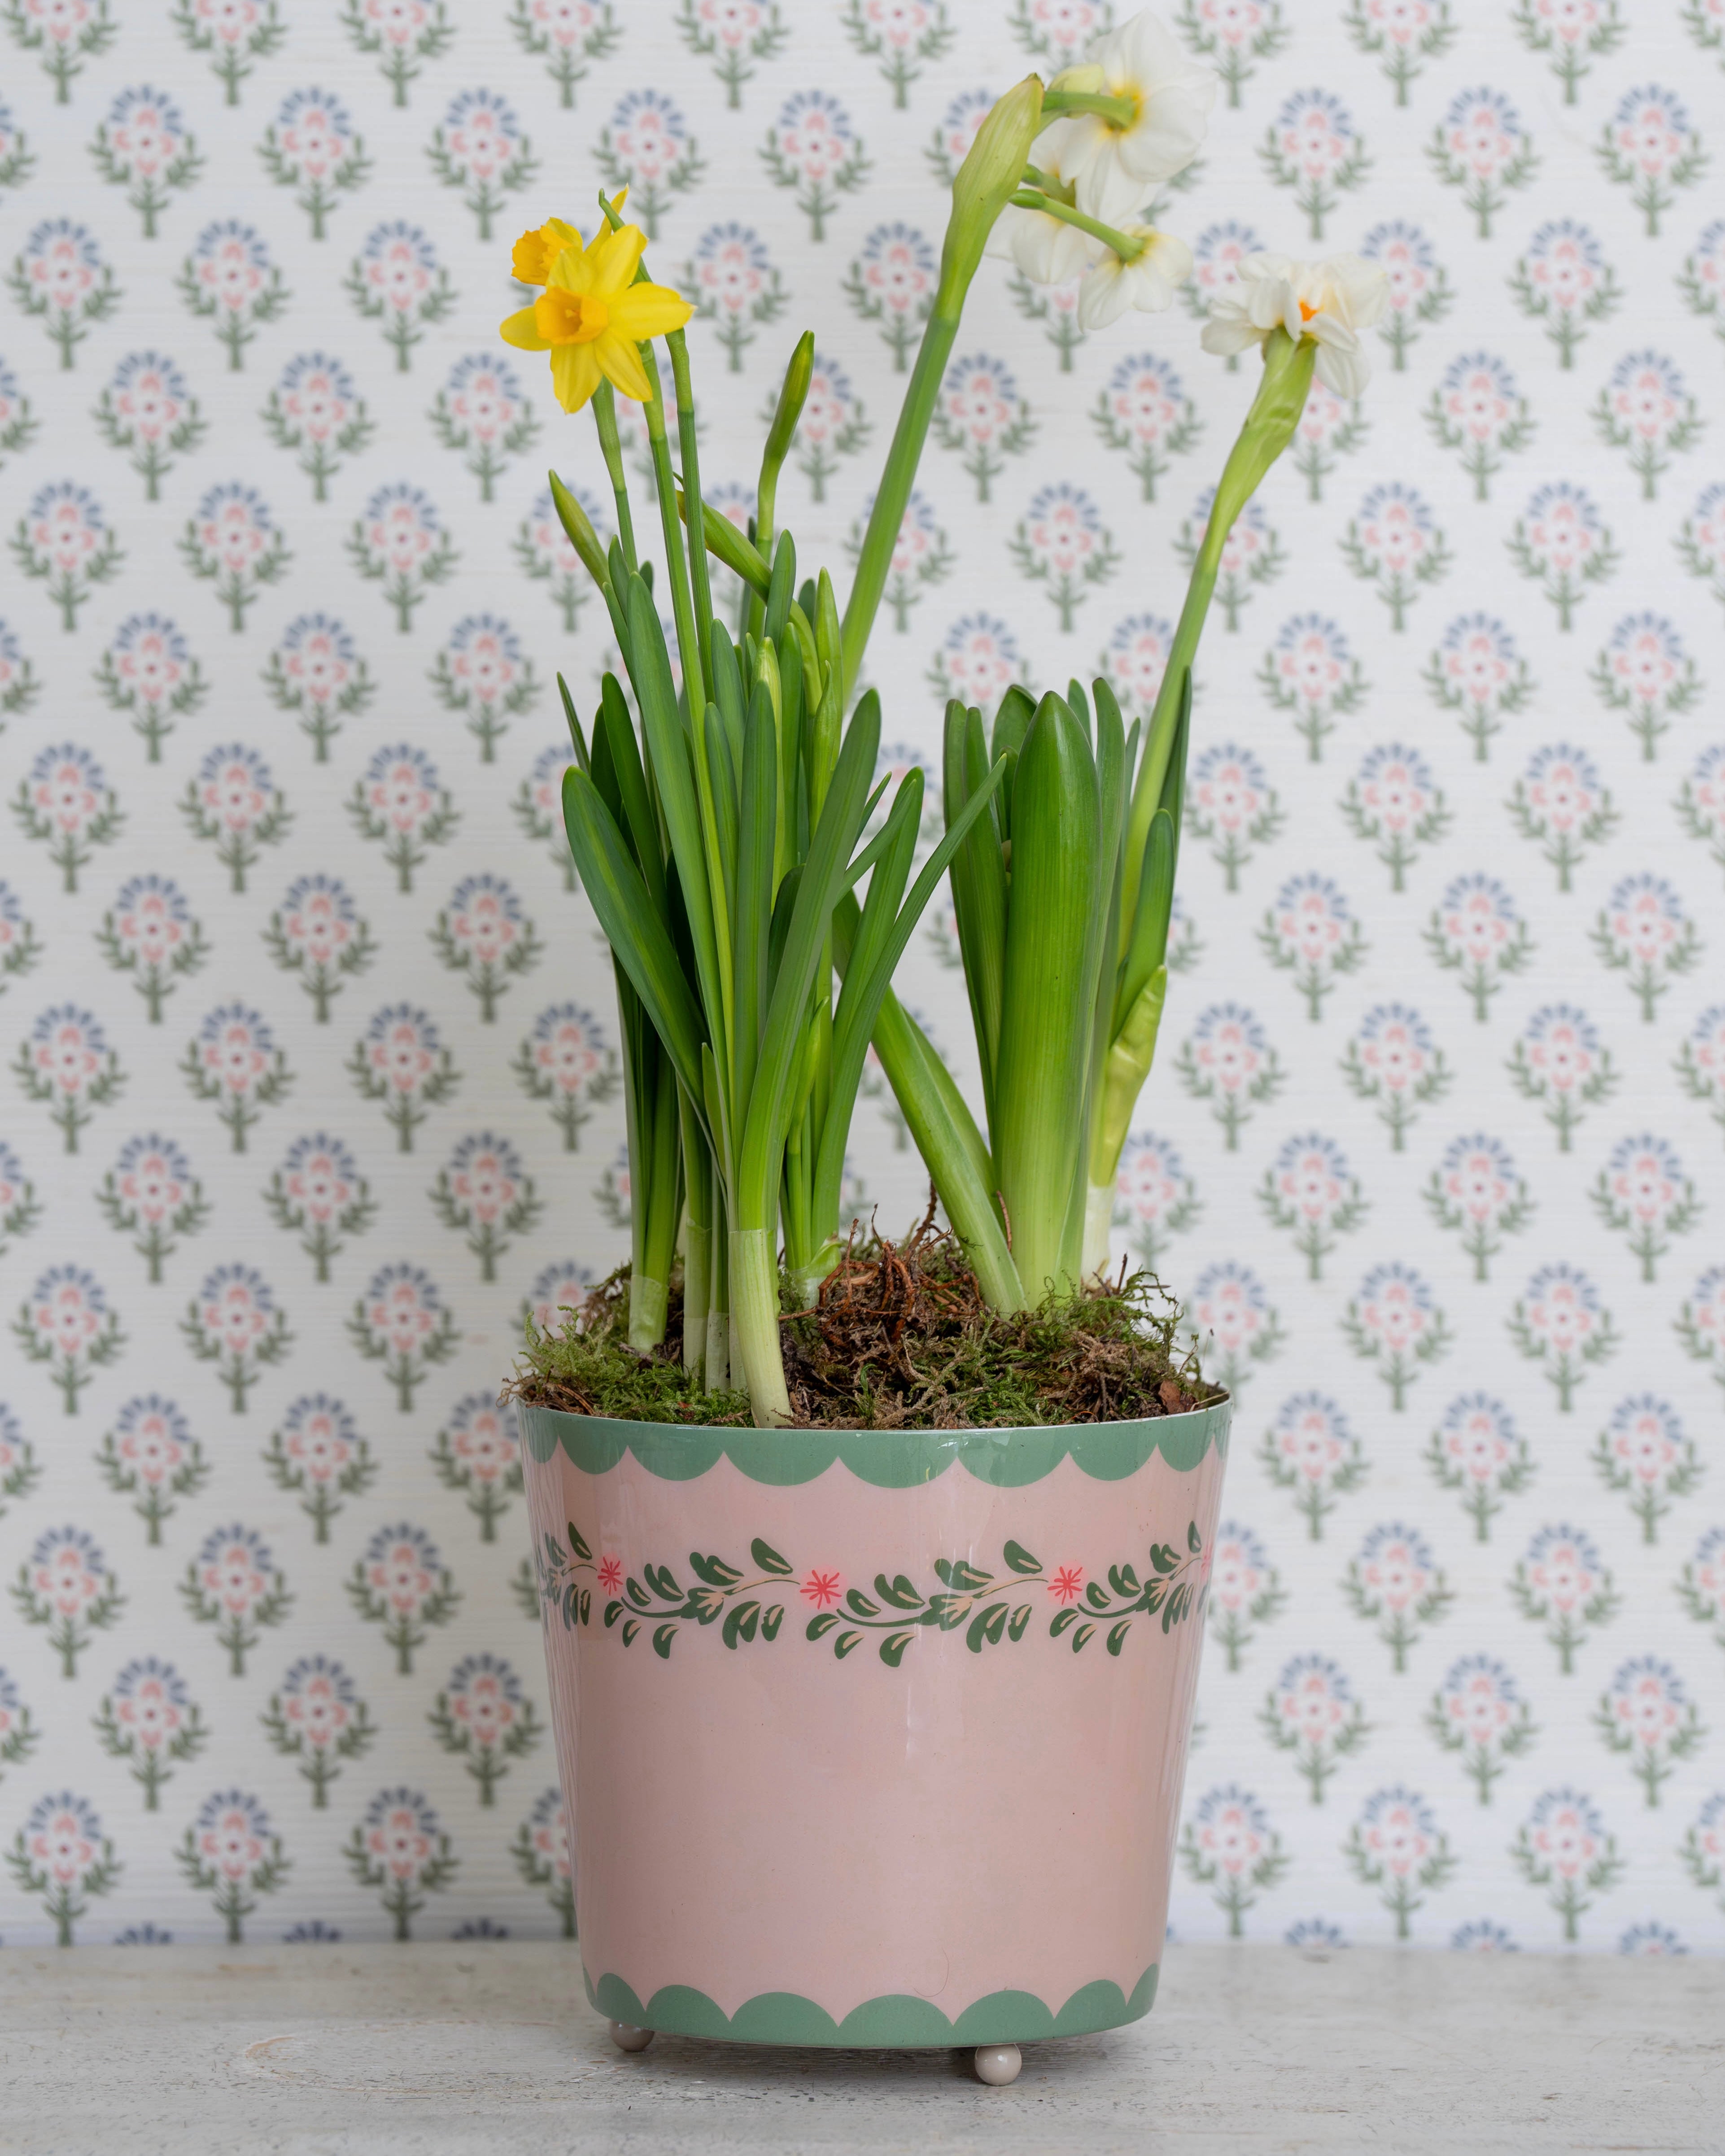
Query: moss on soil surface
{"points": [[901, 1339]]}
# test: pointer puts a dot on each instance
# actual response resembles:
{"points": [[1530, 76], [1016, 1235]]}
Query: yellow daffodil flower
{"points": [[592, 317], [535, 253]]}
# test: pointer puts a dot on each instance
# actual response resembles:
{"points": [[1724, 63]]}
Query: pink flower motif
{"points": [[317, 1434], [68, 1572], [610, 1575], [1067, 1583], [150, 1437], [236, 1570], [317, 1701]]}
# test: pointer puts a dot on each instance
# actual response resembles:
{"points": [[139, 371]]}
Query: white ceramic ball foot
{"points": [[628, 2038], [998, 2064]]}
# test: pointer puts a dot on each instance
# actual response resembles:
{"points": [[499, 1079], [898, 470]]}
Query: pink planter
{"points": [[873, 1738]]}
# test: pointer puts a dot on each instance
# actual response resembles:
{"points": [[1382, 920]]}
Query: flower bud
{"points": [[993, 168]]}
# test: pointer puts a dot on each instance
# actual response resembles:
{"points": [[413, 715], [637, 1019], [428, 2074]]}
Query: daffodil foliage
{"points": [[719, 797]]}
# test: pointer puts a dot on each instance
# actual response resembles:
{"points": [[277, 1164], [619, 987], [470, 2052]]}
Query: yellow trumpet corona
{"points": [[592, 316]]}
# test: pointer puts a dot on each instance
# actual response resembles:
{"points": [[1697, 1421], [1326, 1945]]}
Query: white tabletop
{"points": [[454, 2050]]}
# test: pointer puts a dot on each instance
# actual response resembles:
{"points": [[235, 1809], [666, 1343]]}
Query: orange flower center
{"points": [[563, 317], [1307, 311]]}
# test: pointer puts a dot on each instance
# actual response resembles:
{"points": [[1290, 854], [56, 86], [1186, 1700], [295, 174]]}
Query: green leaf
{"points": [[1163, 1556], [727, 544], [1020, 1619], [638, 933], [662, 1641], [819, 1626], [892, 1648], [1116, 1635], [614, 1611], [979, 881], [757, 828], [713, 1570], [629, 1630], [587, 1605], [768, 1559], [1048, 997], [961, 1578], [1195, 1540], [844, 1642], [1122, 1579], [859, 1604], [835, 839], [578, 1541], [1019, 1559], [898, 1592], [1094, 1595], [612, 728], [636, 1593], [1063, 1623], [988, 1627], [740, 1623], [771, 1621], [876, 946], [662, 1582], [1081, 1636], [948, 1611]]}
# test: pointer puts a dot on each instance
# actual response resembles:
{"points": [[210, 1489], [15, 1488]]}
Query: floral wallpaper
{"points": [[311, 1087]]}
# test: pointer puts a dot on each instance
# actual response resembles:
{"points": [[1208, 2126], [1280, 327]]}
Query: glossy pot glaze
{"points": [[873, 1738]]}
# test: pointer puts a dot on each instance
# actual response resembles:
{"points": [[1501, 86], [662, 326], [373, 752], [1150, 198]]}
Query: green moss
{"points": [[901, 1339]]}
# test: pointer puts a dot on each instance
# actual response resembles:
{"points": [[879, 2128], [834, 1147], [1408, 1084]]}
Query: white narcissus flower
{"points": [[1170, 97], [1328, 303], [1146, 282], [1047, 250]]}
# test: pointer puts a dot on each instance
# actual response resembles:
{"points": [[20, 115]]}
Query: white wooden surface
{"points": [[454, 2050]]}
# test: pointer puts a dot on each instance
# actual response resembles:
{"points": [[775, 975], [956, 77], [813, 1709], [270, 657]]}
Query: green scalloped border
{"points": [[890, 1459], [897, 2018]]}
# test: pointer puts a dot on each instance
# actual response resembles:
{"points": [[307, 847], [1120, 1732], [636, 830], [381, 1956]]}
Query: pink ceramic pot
{"points": [[873, 1738]]}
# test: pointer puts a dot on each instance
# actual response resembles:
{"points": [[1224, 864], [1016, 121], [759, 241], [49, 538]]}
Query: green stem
{"points": [[875, 563], [1269, 427], [754, 1324], [605, 412], [1117, 111]]}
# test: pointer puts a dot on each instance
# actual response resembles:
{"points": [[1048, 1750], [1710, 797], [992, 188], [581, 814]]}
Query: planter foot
{"points": [[998, 2064], [628, 2038]]}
